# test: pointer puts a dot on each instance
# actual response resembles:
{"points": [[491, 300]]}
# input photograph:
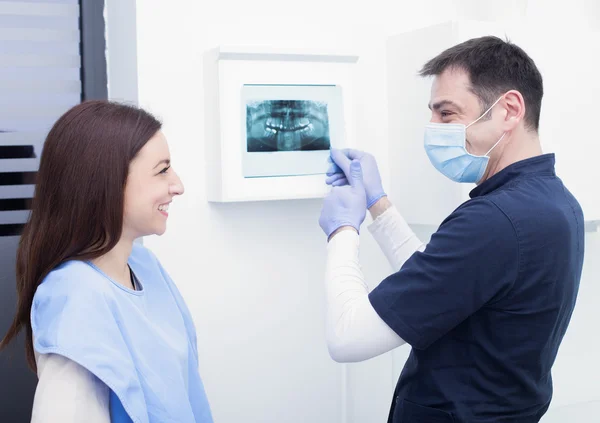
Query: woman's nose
{"points": [[177, 186]]}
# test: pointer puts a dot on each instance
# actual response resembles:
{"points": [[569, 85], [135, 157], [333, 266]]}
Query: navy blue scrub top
{"points": [[487, 303]]}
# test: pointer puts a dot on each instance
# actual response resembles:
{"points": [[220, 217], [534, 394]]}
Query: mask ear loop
{"points": [[484, 113], [494, 146]]}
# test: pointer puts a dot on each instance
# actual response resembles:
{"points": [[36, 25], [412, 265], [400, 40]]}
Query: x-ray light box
{"points": [[271, 117]]}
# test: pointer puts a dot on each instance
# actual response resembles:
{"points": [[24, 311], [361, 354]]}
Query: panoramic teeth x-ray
{"points": [[287, 125], [289, 129]]}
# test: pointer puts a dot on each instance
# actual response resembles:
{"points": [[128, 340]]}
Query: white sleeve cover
{"points": [[355, 332], [395, 238], [68, 393]]}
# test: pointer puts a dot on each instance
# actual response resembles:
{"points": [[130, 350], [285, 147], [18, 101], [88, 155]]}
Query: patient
{"points": [[106, 328]]}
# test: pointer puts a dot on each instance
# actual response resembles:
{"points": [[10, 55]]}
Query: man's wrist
{"points": [[341, 229], [380, 207]]}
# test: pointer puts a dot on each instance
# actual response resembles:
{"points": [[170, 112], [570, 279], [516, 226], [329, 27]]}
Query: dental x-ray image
{"points": [[288, 130], [287, 125]]}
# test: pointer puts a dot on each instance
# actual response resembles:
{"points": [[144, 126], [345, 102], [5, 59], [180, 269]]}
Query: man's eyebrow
{"points": [[440, 104], [163, 161]]}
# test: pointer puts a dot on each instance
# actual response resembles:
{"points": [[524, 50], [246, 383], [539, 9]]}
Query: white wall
{"points": [[252, 273]]}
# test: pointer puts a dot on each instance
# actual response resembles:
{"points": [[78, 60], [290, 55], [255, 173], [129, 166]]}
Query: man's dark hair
{"points": [[494, 66]]}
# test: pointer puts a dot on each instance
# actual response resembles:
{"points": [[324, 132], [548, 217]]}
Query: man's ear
{"points": [[514, 104]]}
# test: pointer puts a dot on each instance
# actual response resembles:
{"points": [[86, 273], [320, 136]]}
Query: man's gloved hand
{"points": [[339, 170], [345, 205]]}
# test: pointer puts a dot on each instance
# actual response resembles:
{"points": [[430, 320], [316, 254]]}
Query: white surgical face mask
{"points": [[445, 144]]}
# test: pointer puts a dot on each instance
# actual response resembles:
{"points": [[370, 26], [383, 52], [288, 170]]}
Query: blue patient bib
{"points": [[141, 344]]}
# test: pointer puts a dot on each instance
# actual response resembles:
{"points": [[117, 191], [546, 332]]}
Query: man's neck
{"points": [[520, 146], [114, 263]]}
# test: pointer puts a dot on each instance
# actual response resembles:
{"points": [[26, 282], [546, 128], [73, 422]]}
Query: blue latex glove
{"points": [[339, 169], [345, 205]]}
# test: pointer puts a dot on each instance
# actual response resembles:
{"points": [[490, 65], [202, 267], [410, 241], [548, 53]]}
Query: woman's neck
{"points": [[114, 263]]}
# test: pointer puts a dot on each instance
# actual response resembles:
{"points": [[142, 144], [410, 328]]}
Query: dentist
{"points": [[486, 303]]}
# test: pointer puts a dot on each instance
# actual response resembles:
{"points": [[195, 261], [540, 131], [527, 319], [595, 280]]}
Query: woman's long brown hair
{"points": [[77, 208]]}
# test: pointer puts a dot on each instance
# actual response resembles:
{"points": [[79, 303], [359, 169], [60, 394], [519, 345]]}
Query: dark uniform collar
{"points": [[538, 165]]}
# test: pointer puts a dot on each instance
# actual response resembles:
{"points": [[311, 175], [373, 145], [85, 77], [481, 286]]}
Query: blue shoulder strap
{"points": [[187, 319], [202, 410]]}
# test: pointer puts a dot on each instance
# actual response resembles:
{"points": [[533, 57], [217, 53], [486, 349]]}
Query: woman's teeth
{"points": [[163, 207]]}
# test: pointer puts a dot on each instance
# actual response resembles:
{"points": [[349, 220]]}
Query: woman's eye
{"points": [[165, 169], [445, 114]]}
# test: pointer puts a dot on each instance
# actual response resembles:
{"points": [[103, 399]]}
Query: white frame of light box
{"points": [[226, 70]]}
